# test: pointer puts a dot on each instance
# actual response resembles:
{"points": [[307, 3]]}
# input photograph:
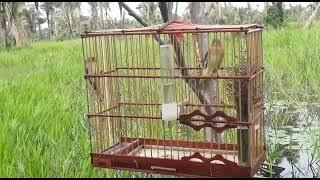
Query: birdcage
{"points": [[176, 98]]}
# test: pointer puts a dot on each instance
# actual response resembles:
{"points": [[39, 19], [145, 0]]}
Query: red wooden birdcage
{"points": [[151, 107]]}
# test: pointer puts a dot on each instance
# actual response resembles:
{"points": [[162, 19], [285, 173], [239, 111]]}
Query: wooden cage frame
{"points": [[121, 153]]}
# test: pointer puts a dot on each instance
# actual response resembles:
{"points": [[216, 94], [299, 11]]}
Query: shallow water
{"points": [[304, 167], [293, 138]]}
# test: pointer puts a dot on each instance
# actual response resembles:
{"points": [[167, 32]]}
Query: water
{"points": [[305, 166], [293, 138]]}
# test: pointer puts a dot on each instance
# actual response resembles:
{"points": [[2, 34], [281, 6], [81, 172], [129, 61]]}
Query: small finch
{"points": [[213, 58]]}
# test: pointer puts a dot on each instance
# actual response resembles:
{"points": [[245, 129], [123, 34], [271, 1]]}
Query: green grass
{"points": [[43, 130], [43, 126], [292, 64]]}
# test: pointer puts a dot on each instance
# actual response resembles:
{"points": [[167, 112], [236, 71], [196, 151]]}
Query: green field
{"points": [[43, 130]]}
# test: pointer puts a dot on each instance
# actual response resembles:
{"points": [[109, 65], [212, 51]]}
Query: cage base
{"points": [[137, 155]]}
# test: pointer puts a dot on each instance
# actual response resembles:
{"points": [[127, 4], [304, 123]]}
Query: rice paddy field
{"points": [[44, 131]]}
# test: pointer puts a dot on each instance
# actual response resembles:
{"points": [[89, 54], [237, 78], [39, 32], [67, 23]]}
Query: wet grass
{"points": [[43, 105]]}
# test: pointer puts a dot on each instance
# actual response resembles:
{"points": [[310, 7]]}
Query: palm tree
{"points": [[148, 11], [313, 16]]}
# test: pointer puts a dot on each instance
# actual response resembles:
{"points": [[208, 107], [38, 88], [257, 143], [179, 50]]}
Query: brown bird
{"points": [[213, 58], [91, 68]]}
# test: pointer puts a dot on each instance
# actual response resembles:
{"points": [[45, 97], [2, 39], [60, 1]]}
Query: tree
{"points": [[68, 10], [101, 15], [121, 12], [4, 23], [76, 16], [85, 23], [212, 12], [242, 13], [94, 15], [279, 6], [30, 16], [123, 19], [58, 25], [186, 15], [198, 17], [215, 13], [275, 15], [107, 9], [293, 13], [249, 9], [176, 11], [38, 18], [148, 12], [170, 8], [15, 28], [48, 8], [312, 17]]}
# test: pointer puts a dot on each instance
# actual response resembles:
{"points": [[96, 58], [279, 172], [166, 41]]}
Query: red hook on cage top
{"points": [[177, 34]]}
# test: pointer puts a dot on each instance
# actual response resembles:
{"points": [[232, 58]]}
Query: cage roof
{"points": [[175, 27]]}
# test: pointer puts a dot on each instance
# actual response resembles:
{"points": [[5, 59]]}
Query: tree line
{"points": [[21, 21]]}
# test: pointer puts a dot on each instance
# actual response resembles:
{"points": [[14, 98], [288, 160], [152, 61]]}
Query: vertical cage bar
{"points": [[84, 55], [115, 59], [249, 117]]}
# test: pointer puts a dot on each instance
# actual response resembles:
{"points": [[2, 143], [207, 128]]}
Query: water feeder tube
{"points": [[169, 106]]}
